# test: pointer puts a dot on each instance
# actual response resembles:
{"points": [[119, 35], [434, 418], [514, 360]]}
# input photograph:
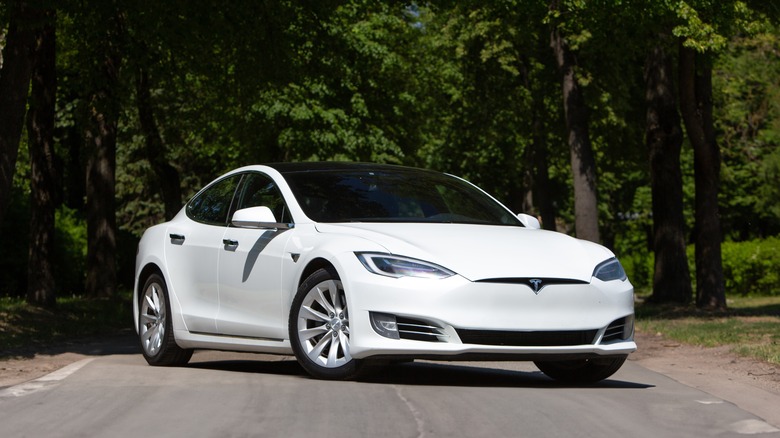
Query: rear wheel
{"points": [[582, 370], [155, 328], [319, 327]]}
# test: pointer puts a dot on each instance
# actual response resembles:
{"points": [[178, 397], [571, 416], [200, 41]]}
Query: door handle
{"points": [[177, 238], [230, 242]]}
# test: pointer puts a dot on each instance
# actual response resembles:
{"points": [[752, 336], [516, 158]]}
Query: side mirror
{"points": [[529, 221], [257, 217]]}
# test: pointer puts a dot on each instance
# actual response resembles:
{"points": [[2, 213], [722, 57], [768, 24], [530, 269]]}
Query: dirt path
{"points": [[657, 353], [28, 364], [750, 384]]}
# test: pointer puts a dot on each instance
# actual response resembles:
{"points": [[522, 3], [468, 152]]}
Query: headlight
{"points": [[610, 270], [396, 266]]}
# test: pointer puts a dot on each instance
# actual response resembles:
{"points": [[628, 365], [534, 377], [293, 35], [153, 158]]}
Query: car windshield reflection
{"points": [[394, 196]]}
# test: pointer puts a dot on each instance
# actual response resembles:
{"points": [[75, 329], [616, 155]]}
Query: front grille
{"points": [[615, 331], [527, 339], [417, 330]]}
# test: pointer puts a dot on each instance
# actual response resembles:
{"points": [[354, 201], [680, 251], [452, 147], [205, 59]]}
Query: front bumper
{"points": [[464, 320]]}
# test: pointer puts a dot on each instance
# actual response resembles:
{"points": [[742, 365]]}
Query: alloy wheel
{"points": [[152, 319], [323, 325]]}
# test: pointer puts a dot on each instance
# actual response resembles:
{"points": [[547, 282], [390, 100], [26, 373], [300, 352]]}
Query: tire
{"points": [[319, 328], [155, 328], [583, 370]]}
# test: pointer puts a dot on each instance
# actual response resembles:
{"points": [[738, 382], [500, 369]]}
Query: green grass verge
{"points": [[23, 326], [751, 326]]}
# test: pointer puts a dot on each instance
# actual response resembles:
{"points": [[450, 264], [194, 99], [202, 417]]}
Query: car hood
{"points": [[479, 252]]}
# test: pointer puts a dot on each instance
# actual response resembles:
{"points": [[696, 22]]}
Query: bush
{"points": [[639, 268], [751, 268], [70, 252]]}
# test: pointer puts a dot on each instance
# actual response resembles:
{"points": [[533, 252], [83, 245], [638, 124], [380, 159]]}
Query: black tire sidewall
{"points": [[584, 371]]}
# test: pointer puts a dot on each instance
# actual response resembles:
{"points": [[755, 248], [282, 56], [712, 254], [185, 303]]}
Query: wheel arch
{"points": [[313, 266], [146, 272]]}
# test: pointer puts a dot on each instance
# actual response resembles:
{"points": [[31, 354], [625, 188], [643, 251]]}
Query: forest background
{"points": [[649, 126]]}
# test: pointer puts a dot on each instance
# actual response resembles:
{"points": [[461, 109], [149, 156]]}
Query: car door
{"points": [[192, 254], [250, 266]]}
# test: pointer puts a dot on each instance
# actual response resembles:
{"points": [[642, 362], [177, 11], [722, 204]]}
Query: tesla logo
{"points": [[536, 285]]}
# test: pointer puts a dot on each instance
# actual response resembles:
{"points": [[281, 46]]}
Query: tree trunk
{"points": [[101, 170], [541, 174], [167, 175], [696, 105], [43, 187], [14, 85], [101, 210], [583, 163], [671, 278]]}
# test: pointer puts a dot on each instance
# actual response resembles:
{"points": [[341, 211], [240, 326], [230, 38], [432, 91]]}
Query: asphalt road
{"points": [[244, 395]]}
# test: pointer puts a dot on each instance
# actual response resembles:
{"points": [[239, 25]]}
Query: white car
{"points": [[342, 263]]}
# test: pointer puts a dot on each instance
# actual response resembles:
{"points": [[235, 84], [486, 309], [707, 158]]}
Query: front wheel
{"points": [[155, 328], [582, 370], [319, 327]]}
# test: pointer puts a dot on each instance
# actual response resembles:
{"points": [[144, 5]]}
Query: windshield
{"points": [[394, 196]]}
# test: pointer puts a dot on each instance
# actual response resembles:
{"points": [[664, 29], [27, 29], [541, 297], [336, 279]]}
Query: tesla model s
{"points": [[341, 264]]}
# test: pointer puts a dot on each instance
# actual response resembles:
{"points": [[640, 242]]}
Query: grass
{"points": [[751, 326], [25, 326]]}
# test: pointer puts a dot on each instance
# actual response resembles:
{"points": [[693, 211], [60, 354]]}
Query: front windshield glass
{"points": [[394, 196]]}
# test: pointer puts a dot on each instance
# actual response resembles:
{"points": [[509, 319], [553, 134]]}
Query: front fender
{"points": [[309, 249]]}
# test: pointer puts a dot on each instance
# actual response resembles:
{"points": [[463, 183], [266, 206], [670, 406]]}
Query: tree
{"points": [[583, 162], [696, 106], [43, 191], [101, 133], [539, 174], [671, 278], [166, 175], [702, 38], [467, 87], [14, 85]]}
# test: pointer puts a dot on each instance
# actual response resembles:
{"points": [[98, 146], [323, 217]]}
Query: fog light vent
{"points": [[384, 324], [619, 330], [417, 330]]}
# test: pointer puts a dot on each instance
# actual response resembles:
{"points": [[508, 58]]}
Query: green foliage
{"points": [[751, 268], [70, 250], [769, 194], [465, 87], [698, 33], [639, 268], [747, 101]]}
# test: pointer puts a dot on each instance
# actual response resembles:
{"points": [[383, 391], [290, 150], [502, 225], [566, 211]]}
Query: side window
{"points": [[258, 190], [212, 205]]}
